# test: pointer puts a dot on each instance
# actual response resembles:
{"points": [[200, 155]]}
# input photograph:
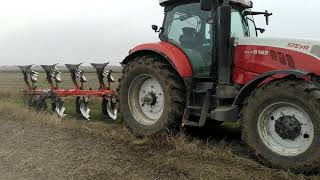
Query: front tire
{"points": [[280, 123], [152, 96]]}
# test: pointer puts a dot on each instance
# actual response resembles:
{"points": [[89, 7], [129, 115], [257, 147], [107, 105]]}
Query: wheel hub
{"points": [[150, 99], [288, 127]]}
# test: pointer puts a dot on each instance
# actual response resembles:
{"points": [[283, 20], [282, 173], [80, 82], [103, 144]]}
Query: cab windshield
{"points": [[186, 26]]}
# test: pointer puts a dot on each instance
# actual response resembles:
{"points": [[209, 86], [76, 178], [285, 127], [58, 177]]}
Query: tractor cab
{"points": [[192, 30]]}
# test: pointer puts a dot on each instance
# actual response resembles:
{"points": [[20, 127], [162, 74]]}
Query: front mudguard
{"points": [[253, 84]]}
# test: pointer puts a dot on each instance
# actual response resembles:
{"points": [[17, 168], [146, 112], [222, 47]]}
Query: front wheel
{"points": [[280, 122], [152, 96]]}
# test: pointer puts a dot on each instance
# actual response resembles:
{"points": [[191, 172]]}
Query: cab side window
{"points": [[237, 29], [180, 23]]}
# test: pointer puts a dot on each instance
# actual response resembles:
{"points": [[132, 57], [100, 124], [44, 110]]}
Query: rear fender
{"points": [[253, 84]]}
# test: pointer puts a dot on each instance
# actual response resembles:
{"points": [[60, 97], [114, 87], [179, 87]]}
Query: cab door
{"points": [[185, 26]]}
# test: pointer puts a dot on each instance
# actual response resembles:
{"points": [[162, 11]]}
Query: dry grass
{"points": [[9, 94]]}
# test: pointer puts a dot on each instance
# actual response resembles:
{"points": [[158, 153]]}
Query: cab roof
{"points": [[243, 3]]}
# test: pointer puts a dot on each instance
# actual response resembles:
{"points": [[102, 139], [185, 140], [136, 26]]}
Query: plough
{"points": [[37, 98]]}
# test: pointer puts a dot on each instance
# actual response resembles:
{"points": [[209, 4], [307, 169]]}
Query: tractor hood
{"points": [[306, 46], [261, 55]]}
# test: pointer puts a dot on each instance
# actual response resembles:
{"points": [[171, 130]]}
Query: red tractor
{"points": [[210, 67]]}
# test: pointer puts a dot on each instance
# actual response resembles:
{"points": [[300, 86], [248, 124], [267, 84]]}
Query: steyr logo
{"points": [[298, 46]]}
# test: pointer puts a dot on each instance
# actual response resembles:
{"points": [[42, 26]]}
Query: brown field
{"points": [[41, 146]]}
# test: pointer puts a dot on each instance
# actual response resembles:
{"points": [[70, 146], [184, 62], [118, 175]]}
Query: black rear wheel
{"points": [[280, 122], [152, 96]]}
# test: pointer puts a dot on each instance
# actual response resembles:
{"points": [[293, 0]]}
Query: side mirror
{"points": [[206, 5], [267, 15], [261, 30], [155, 28]]}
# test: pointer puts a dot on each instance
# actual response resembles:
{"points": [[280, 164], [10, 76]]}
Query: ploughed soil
{"points": [[40, 146]]}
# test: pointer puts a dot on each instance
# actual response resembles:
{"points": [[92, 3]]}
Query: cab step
{"points": [[223, 114]]}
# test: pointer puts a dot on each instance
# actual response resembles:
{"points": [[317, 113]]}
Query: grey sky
{"points": [[71, 31]]}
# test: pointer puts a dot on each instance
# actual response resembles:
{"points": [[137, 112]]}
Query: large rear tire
{"points": [[281, 124], [152, 96]]}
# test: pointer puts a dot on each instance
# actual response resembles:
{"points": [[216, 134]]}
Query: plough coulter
{"points": [[38, 98]]}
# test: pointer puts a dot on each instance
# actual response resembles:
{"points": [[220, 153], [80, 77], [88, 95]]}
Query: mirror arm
{"points": [[254, 13], [255, 27]]}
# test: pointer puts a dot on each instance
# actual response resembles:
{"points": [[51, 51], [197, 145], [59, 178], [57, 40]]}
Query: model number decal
{"points": [[298, 46], [257, 52]]}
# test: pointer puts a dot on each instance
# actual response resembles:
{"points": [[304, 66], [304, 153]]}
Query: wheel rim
{"points": [[286, 129], [146, 99]]}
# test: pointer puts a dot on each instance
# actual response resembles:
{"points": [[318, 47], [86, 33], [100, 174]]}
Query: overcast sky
{"points": [[71, 31]]}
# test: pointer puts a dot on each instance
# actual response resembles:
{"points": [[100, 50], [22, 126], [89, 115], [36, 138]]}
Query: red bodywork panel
{"points": [[251, 61], [175, 55]]}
